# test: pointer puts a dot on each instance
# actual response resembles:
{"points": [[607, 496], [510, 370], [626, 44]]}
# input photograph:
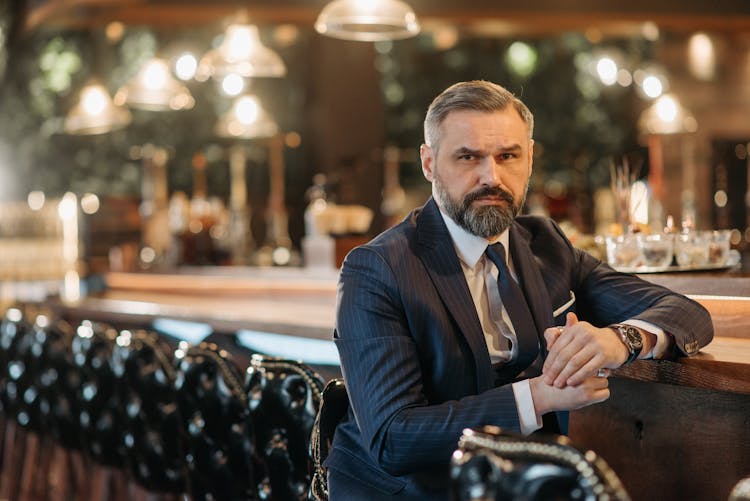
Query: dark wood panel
{"points": [[699, 372], [669, 442], [530, 15]]}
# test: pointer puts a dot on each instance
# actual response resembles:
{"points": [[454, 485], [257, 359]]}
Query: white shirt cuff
{"points": [[662, 338], [525, 405]]}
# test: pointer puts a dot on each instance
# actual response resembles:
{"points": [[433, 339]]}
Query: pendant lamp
{"points": [[246, 119], [95, 113], [667, 116], [241, 53], [367, 20], [155, 89]]}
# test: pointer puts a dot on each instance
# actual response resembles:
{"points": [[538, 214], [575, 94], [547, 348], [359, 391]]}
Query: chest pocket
{"points": [[563, 306]]}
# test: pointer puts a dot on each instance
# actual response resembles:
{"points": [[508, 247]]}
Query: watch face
{"points": [[634, 337]]}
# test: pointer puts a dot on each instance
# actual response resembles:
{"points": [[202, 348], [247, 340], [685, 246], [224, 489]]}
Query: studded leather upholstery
{"points": [[59, 383], [506, 466], [284, 396], [100, 418], [152, 428], [15, 330], [334, 404], [213, 406]]}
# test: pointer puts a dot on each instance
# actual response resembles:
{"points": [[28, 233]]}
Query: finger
{"points": [[551, 335], [595, 383], [596, 389], [600, 395], [566, 347], [570, 319], [573, 368], [557, 357], [586, 370]]}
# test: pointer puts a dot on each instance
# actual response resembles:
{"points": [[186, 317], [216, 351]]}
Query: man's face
{"points": [[480, 171]]}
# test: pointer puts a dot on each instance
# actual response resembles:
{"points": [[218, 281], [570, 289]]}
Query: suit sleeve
{"points": [[383, 369], [608, 296]]}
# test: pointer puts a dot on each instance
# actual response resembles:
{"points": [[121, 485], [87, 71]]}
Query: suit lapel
{"points": [[532, 283], [436, 250]]}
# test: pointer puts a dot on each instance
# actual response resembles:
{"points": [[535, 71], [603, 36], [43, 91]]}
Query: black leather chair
{"points": [[490, 464], [333, 406], [153, 437], [31, 399], [100, 419], [15, 330], [59, 382], [220, 453], [15, 335], [284, 397]]}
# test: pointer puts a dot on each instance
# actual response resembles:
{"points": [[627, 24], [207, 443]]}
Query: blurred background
{"points": [[196, 157]]}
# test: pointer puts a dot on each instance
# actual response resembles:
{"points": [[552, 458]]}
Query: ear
{"points": [[428, 161], [531, 155]]}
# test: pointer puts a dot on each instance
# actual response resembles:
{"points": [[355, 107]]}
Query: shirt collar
{"points": [[469, 247]]}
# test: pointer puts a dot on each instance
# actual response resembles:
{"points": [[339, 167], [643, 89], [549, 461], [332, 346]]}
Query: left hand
{"points": [[579, 350]]}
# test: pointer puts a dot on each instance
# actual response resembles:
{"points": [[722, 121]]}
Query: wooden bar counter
{"points": [[671, 429], [678, 430]]}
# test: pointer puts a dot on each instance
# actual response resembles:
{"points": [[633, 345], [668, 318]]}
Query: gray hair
{"points": [[477, 95]]}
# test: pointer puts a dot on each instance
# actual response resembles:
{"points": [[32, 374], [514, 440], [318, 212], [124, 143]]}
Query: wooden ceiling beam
{"points": [[528, 16]]}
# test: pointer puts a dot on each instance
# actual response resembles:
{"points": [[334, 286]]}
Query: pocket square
{"points": [[567, 305]]}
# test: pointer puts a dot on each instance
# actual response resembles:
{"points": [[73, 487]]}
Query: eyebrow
{"points": [[513, 148], [464, 150], [467, 151]]}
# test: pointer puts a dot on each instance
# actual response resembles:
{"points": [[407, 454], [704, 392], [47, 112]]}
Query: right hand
{"points": [[549, 398]]}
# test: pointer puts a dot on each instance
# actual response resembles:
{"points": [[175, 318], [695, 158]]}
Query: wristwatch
{"points": [[632, 339]]}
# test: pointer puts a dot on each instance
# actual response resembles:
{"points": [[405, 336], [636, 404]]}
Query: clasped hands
{"points": [[576, 353]]}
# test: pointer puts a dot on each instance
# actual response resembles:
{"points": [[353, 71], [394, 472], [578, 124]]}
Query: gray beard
{"points": [[484, 221]]}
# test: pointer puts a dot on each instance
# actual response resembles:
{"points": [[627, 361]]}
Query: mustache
{"points": [[489, 191]]}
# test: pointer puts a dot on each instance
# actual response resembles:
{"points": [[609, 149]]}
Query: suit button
{"points": [[691, 347]]}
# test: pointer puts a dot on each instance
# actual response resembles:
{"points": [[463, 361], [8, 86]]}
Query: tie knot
{"points": [[496, 253]]}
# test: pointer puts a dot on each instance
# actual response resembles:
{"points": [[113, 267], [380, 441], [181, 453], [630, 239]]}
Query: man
{"points": [[439, 330]]}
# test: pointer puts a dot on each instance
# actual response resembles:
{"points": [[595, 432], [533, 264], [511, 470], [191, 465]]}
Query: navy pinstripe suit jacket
{"points": [[414, 357]]}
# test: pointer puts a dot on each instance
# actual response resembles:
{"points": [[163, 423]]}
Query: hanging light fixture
{"points": [[367, 20], [246, 119], [95, 113], [153, 88], [242, 53], [667, 116]]}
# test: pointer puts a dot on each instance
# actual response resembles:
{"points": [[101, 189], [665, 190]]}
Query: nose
{"points": [[491, 172]]}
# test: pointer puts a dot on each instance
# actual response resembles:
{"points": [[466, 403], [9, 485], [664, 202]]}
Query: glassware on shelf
{"points": [[691, 249], [718, 246], [656, 249], [623, 251]]}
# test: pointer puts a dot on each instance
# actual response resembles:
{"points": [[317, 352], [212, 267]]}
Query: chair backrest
{"points": [[153, 435], [333, 406], [20, 395], [501, 465], [284, 397], [59, 383], [14, 328], [220, 453], [100, 418]]}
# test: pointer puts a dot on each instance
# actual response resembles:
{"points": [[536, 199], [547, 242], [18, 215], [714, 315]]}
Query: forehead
{"points": [[504, 125]]}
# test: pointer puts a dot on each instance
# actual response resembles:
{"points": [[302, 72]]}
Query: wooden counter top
{"points": [[302, 303]]}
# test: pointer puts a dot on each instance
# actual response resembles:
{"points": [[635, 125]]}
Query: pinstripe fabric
{"points": [[413, 353]]}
